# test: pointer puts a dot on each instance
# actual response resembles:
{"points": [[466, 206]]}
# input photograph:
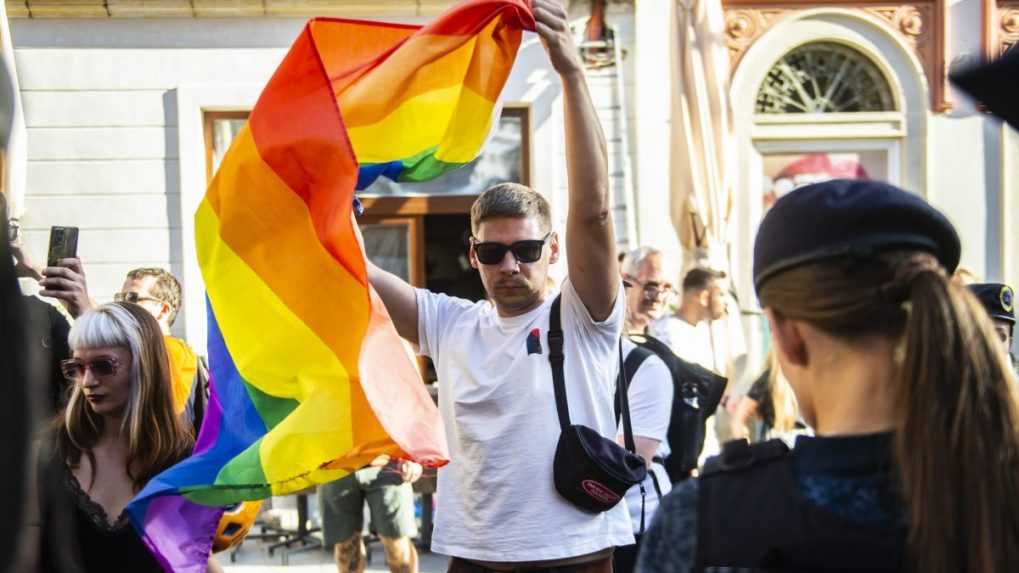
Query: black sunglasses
{"points": [[74, 369], [524, 251]]}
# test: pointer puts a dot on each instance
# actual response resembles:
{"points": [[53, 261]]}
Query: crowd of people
{"points": [[889, 388]]}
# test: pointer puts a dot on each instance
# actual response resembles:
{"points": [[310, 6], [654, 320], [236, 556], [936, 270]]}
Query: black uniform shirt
{"points": [[848, 476]]}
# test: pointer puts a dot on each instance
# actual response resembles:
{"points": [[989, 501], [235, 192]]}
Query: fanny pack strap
{"points": [[556, 358]]}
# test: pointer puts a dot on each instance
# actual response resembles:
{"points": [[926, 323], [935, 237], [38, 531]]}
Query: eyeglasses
{"points": [[131, 296], [74, 369], [652, 289], [491, 253]]}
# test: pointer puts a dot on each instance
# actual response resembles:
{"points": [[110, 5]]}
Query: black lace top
{"points": [[101, 546]]}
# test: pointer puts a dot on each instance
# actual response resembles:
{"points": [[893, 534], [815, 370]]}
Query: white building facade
{"points": [[129, 105]]}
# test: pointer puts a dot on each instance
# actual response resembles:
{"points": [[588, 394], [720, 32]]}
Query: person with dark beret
{"points": [[914, 465], [999, 301]]}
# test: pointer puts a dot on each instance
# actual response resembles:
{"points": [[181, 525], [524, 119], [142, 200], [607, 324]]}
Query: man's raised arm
{"points": [[590, 241]]}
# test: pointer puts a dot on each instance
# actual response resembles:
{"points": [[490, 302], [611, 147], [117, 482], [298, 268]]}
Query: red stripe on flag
{"points": [[299, 133]]}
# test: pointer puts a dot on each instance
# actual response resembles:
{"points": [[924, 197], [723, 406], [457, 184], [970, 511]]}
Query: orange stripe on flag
{"points": [[350, 47], [426, 63], [252, 203]]}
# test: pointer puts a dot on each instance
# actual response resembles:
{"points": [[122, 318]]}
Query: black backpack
{"points": [[697, 392]]}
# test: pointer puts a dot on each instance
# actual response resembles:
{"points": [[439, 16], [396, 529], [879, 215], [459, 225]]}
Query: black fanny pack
{"points": [[590, 471]]}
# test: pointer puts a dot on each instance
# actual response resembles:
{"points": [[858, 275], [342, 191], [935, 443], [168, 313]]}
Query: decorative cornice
{"points": [[921, 24], [1001, 26], [221, 8]]}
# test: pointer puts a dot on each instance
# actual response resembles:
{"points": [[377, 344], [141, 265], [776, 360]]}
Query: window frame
{"points": [[889, 84], [209, 117]]}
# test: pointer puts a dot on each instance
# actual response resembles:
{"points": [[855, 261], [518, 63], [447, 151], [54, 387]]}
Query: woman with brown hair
{"points": [[915, 462], [117, 432]]}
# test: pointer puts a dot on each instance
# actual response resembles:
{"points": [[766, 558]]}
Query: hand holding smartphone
{"points": [[65, 282]]}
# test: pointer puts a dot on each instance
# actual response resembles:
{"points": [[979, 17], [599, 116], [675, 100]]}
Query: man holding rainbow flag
{"points": [[498, 509], [306, 389]]}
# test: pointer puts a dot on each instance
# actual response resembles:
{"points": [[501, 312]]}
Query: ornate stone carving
{"points": [[1008, 22], [909, 21], [922, 24], [743, 27]]}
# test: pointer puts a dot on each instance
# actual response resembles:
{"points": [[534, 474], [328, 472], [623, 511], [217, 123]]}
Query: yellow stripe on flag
{"points": [[256, 325], [421, 122]]}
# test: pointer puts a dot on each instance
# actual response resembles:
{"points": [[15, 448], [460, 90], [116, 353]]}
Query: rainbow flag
{"points": [[309, 378]]}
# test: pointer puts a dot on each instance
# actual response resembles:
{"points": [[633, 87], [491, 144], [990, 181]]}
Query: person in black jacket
{"points": [[46, 328], [915, 461]]}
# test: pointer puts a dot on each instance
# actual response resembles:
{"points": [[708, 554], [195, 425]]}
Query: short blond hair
{"points": [[166, 289], [513, 201]]}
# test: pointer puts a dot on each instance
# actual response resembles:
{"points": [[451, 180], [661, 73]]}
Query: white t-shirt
{"points": [[650, 396], [689, 342], [496, 498]]}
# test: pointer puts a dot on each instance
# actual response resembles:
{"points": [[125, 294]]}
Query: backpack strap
{"points": [[624, 404], [634, 359], [623, 400], [556, 358]]}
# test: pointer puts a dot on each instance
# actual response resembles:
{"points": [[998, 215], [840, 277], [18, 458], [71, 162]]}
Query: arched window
{"points": [[824, 77]]}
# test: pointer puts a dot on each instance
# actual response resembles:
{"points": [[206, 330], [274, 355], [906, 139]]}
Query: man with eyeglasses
{"points": [[647, 274], [158, 292], [498, 509]]}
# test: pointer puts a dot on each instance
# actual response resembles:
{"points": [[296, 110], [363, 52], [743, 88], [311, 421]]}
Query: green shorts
{"points": [[390, 501]]}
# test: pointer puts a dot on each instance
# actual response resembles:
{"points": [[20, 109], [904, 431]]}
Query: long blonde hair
{"points": [[783, 401], [956, 449], [156, 436]]}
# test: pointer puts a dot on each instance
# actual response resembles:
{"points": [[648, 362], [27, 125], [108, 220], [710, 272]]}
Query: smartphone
{"points": [[63, 244]]}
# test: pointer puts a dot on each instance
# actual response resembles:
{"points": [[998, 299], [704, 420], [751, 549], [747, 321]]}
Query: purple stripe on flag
{"points": [[172, 517]]}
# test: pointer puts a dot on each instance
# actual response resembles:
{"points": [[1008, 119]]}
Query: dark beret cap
{"points": [[849, 218], [997, 298]]}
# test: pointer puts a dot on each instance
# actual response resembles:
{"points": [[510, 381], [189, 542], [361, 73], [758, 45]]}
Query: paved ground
{"points": [[254, 558]]}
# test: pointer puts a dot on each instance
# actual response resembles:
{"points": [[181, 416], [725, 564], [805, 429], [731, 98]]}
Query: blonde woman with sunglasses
{"points": [[117, 432]]}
